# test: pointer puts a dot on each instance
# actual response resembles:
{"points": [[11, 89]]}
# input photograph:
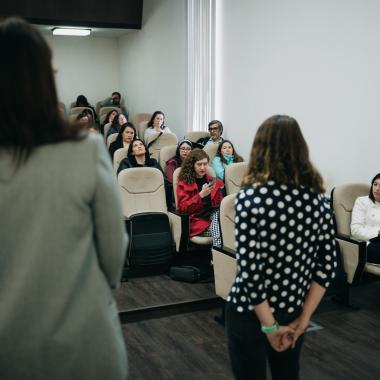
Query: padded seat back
{"points": [[140, 117], [343, 198], [140, 128], [227, 221], [211, 150], [106, 129], [194, 136], [233, 176], [111, 138], [142, 190], [166, 153], [118, 156], [164, 140], [104, 111]]}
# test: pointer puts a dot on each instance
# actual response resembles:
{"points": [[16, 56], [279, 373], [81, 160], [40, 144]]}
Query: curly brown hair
{"points": [[187, 173], [280, 153]]}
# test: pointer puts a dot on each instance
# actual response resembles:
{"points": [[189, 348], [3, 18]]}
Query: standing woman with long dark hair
{"points": [[286, 254], [62, 238]]}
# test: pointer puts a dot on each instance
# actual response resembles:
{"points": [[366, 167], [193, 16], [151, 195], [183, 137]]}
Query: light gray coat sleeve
{"points": [[109, 230]]}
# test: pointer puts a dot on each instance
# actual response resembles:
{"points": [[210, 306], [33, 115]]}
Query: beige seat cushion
{"points": [[194, 136], [164, 140], [118, 156], [201, 240], [142, 190], [227, 221], [166, 153], [233, 176], [111, 138], [211, 150]]}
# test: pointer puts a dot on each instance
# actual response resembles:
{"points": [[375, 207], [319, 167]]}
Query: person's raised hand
{"points": [[206, 190]]}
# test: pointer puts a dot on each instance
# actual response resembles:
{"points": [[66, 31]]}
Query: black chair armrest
{"points": [[185, 230], [350, 239], [226, 251]]}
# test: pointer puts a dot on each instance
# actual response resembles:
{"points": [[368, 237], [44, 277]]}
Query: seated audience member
{"points": [[183, 149], [225, 155], [215, 127], [137, 157], [365, 220], [156, 125], [116, 124], [199, 195], [114, 101], [126, 135], [108, 119], [83, 102]]}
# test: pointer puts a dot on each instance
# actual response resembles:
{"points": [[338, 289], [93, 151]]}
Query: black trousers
{"points": [[373, 252], [249, 348]]}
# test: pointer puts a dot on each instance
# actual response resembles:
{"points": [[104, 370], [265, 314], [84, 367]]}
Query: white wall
{"points": [[86, 65], [317, 61], [153, 63]]}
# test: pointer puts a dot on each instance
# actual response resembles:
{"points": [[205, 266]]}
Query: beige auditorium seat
{"points": [[106, 129], [211, 150], [166, 153], [143, 190], [111, 138], [186, 239], [104, 111], [194, 136], [118, 156], [140, 117], [75, 111], [141, 127], [353, 251], [224, 259], [62, 108], [156, 144], [98, 105], [233, 176]]}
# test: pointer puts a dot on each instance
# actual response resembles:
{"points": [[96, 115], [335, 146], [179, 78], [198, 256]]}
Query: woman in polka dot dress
{"points": [[286, 254]]}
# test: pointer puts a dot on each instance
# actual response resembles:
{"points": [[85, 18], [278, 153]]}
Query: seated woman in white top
{"points": [[365, 221], [156, 125]]}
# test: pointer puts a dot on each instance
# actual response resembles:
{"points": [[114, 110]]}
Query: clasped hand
{"points": [[287, 336]]}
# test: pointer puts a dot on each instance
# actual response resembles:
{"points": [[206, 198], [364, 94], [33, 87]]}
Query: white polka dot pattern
{"points": [[285, 240]]}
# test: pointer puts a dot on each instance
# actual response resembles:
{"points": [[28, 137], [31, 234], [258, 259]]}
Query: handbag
{"points": [[186, 273]]}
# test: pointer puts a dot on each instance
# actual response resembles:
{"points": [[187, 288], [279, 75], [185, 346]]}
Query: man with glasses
{"points": [[215, 127]]}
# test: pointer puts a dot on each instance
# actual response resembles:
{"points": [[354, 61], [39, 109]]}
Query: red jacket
{"points": [[190, 202]]}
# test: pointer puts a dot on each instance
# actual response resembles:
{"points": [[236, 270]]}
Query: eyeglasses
{"points": [[184, 148], [213, 129]]}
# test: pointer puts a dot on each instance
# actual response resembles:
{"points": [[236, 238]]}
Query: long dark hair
{"points": [[119, 137], [131, 156], [371, 197], [155, 113], [187, 173], [280, 153], [29, 110], [237, 158]]}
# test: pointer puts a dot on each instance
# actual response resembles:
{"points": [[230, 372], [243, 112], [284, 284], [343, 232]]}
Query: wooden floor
{"points": [[193, 345]]}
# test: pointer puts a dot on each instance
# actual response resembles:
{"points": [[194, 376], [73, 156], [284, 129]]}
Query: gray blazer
{"points": [[62, 248]]}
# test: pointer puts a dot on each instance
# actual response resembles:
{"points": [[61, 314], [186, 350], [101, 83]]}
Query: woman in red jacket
{"points": [[199, 195]]}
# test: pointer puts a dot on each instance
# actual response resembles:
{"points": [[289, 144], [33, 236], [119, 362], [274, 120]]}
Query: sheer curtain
{"points": [[200, 63]]}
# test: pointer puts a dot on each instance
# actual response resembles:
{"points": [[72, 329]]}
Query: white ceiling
{"points": [[95, 32]]}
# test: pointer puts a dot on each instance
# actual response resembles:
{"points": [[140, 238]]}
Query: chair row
{"points": [[143, 192], [352, 259]]}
